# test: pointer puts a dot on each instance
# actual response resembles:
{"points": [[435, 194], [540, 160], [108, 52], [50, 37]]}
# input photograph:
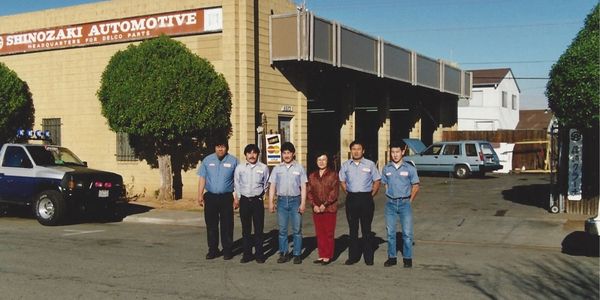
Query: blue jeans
{"points": [[395, 209], [287, 210]]}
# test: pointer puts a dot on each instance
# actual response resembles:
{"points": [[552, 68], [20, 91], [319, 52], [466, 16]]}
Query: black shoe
{"points": [[283, 259], [318, 261], [407, 262], [297, 260], [211, 255], [260, 260], [245, 259], [392, 261], [349, 262], [227, 256], [368, 262], [325, 262]]}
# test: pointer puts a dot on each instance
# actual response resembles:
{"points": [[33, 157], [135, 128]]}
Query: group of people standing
{"points": [[224, 184]]}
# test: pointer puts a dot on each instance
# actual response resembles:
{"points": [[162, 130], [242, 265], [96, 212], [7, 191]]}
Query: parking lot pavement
{"points": [[504, 210], [488, 238]]}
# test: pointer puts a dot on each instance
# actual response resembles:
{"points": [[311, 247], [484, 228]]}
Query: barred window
{"points": [[52, 125], [124, 150]]}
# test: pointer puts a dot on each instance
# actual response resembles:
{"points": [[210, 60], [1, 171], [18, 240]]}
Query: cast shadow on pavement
{"points": [[309, 244], [580, 243], [80, 216], [562, 279], [537, 195]]}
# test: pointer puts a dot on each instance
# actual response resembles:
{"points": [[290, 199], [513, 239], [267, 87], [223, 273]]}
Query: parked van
{"points": [[462, 158]]}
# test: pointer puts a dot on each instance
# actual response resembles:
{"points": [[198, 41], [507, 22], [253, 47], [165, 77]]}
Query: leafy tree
{"points": [[170, 101], [16, 105], [573, 89]]}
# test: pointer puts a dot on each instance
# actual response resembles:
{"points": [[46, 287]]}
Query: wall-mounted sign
{"points": [[113, 31], [287, 108], [273, 147], [575, 152]]}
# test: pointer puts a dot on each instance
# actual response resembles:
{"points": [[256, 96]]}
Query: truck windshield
{"points": [[53, 156]]}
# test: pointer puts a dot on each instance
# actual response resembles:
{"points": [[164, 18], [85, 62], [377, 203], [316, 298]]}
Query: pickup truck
{"points": [[55, 183]]}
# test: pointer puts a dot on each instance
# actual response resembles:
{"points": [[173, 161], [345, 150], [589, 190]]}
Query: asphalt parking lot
{"points": [[480, 238]]}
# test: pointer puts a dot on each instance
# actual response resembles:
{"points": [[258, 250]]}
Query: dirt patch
{"points": [[574, 224], [187, 204]]}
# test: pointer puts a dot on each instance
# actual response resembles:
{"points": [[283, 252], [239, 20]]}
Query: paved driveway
{"points": [[488, 238]]}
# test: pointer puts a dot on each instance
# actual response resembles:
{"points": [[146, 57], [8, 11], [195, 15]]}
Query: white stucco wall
{"points": [[485, 110]]}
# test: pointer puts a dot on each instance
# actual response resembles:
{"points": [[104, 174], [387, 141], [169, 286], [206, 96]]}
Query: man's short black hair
{"points": [[251, 148], [398, 144], [357, 142], [288, 146], [221, 142]]}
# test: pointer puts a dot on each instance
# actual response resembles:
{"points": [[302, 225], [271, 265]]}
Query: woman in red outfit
{"points": [[322, 194]]}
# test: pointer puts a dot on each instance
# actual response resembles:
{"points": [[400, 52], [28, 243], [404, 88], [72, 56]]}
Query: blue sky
{"points": [[527, 36]]}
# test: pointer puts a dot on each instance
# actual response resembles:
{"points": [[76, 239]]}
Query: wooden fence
{"points": [[531, 149]]}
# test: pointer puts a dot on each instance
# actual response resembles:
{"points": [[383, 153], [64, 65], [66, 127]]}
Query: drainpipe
{"points": [[257, 118]]}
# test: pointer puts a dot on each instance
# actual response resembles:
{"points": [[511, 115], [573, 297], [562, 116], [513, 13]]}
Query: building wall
{"points": [[485, 108], [64, 82]]}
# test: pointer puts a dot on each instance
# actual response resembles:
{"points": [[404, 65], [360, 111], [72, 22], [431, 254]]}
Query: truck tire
{"points": [[50, 208], [462, 171]]}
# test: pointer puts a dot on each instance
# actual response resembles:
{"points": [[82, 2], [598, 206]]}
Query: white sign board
{"points": [[575, 152], [273, 147]]}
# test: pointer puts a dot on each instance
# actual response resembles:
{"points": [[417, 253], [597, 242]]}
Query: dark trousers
{"points": [[218, 210], [252, 211], [359, 210]]}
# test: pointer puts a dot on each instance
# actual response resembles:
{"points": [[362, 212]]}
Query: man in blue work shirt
{"points": [[288, 181], [402, 184], [360, 179], [251, 180], [216, 176]]}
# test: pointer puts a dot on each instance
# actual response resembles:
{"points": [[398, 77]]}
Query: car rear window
{"points": [[471, 149], [487, 149]]}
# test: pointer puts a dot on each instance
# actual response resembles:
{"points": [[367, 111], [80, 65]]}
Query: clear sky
{"points": [[527, 36]]}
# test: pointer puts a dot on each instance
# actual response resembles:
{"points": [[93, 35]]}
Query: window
{"points": [[514, 102], [52, 125], [451, 149], [15, 157], [504, 99], [124, 150], [471, 149], [433, 150], [285, 128]]}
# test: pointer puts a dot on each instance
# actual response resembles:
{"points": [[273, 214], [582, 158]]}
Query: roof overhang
{"points": [[302, 36]]}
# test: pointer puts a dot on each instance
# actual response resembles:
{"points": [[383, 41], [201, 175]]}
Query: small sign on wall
{"points": [[575, 162], [287, 108], [273, 147]]}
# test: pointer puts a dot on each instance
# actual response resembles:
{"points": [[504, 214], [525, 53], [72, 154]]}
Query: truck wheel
{"points": [[461, 171], [50, 208]]}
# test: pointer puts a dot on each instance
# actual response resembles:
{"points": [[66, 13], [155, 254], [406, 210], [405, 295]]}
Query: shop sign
{"points": [[575, 162], [273, 149], [113, 31]]}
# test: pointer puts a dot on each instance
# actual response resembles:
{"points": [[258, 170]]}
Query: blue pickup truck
{"points": [[55, 183]]}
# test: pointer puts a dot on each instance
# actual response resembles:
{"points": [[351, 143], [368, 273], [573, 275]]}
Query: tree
{"points": [[16, 105], [573, 89], [171, 102]]}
